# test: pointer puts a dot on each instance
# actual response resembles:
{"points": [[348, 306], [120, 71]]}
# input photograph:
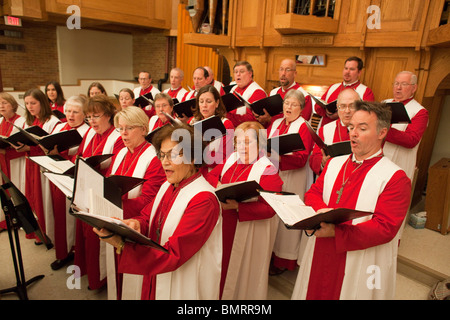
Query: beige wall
{"points": [[442, 144], [88, 54]]}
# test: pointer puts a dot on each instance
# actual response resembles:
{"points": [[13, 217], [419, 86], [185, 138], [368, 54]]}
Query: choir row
{"points": [[245, 243]]}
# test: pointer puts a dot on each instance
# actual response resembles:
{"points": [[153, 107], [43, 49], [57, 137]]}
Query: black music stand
{"points": [[18, 215]]}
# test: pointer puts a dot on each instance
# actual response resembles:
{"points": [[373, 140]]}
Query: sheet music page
{"points": [[102, 207], [62, 182], [290, 208], [53, 165], [87, 179]]}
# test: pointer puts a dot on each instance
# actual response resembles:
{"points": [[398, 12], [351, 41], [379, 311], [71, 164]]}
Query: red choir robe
{"points": [[189, 95], [332, 132], [62, 231], [144, 164], [294, 173], [251, 236], [87, 244], [307, 109], [35, 179], [176, 93], [338, 267], [155, 122], [60, 108], [6, 129], [333, 92], [191, 232], [402, 140], [149, 110], [251, 93]]}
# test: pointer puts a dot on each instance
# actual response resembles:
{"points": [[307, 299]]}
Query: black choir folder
{"points": [[185, 108], [214, 124], [332, 150], [331, 107], [23, 136], [144, 100], [117, 227], [272, 104], [296, 215], [232, 102], [285, 143], [399, 114], [239, 191]]}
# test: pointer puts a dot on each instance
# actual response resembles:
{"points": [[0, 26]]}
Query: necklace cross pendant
{"points": [[339, 193]]}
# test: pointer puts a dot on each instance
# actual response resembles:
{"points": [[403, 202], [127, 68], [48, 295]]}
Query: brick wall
{"points": [[35, 66], [149, 53]]}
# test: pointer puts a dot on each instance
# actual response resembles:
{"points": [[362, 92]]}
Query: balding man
{"points": [[176, 90], [200, 79], [402, 141], [335, 131], [215, 83]]}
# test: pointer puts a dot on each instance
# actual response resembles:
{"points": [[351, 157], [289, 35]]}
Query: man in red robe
{"points": [[340, 260]]}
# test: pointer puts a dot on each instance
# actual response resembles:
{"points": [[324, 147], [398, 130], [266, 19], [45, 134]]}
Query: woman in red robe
{"points": [[248, 226], [8, 155], [163, 105], [37, 113], [101, 138], [55, 96], [137, 159], [63, 231]]}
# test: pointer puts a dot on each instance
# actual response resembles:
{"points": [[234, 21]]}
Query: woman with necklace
{"points": [[209, 103], [247, 226], [37, 113], [184, 218], [12, 162], [101, 138], [137, 159], [63, 231], [294, 173]]}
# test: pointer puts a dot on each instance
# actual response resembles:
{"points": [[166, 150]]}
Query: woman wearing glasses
{"points": [[185, 219], [249, 228], [163, 104], [101, 138], [294, 173], [63, 231], [137, 159]]}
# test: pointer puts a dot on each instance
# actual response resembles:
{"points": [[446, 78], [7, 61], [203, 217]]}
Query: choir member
{"points": [[137, 159], [163, 105], [145, 82], [249, 227], [55, 96], [335, 131], [200, 79], [402, 141], [37, 113], [213, 82], [61, 226], [352, 71], [287, 74], [185, 219], [246, 88], [126, 98], [294, 172], [12, 163], [176, 90], [101, 138], [209, 103], [96, 88], [340, 260]]}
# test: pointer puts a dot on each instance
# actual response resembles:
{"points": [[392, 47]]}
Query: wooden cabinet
{"points": [[437, 203]]}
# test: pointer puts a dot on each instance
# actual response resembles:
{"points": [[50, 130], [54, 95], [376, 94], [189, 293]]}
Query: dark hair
{"points": [[100, 103], [97, 85], [177, 133], [381, 110], [205, 72], [246, 64], [221, 111], [60, 100], [358, 60], [46, 111]]}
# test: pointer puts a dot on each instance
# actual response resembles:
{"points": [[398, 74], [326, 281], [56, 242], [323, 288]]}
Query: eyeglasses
{"points": [[402, 84], [292, 105], [241, 71], [286, 70], [126, 129], [171, 155], [89, 118], [350, 107]]}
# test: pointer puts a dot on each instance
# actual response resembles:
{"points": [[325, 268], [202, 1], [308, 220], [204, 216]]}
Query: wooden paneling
{"points": [[249, 23]]}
